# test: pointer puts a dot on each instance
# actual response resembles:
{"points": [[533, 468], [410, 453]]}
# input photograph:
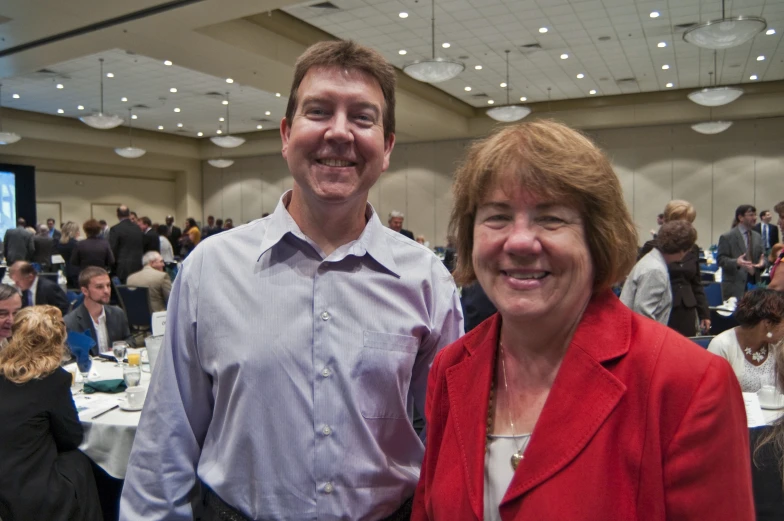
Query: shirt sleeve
{"points": [[65, 425], [166, 450], [707, 466], [728, 264]]}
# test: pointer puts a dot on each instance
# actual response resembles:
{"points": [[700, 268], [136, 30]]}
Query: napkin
{"points": [[105, 386], [80, 345]]}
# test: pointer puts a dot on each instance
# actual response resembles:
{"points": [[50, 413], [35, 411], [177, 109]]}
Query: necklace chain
{"points": [[517, 457]]}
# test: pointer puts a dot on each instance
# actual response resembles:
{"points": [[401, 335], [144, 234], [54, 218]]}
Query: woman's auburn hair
{"points": [[553, 161], [37, 344]]}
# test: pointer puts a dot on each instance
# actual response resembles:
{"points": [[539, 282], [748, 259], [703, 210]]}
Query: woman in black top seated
{"points": [[767, 469], [43, 475]]}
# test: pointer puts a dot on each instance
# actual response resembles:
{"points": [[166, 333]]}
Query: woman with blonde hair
{"points": [[566, 404], [689, 303], [65, 247], [43, 475]]}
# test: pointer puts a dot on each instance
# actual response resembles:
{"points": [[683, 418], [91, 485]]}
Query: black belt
{"points": [[225, 512]]}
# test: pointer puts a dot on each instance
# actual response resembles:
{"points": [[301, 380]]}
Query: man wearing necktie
{"points": [[741, 254], [768, 231]]}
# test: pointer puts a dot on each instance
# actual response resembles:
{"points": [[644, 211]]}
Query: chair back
{"points": [[50, 276], [702, 341], [708, 276], [136, 303], [721, 323], [713, 294]]}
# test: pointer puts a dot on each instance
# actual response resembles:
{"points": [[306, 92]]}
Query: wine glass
{"points": [[119, 349], [84, 363]]}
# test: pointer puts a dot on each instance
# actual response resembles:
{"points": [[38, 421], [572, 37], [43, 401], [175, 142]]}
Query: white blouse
{"points": [[498, 470]]}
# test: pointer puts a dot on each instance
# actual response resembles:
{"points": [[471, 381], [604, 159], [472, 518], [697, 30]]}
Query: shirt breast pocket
{"points": [[383, 374]]}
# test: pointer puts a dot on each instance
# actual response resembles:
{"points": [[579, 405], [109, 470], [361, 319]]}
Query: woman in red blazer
{"points": [[566, 405]]}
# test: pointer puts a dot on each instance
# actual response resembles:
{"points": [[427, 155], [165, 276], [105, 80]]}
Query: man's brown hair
{"points": [[88, 274]]}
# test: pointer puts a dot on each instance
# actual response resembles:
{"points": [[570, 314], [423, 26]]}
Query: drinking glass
{"points": [[119, 349], [132, 374], [84, 363]]}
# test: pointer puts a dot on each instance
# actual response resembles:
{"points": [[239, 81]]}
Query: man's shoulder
{"points": [[411, 256], [113, 311], [71, 318]]}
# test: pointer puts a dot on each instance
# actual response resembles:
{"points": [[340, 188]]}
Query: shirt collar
{"points": [[101, 317], [372, 240]]}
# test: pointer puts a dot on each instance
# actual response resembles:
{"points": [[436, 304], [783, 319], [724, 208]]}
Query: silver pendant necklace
{"points": [[517, 457]]}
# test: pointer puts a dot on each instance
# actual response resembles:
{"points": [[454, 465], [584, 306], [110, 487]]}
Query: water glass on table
{"points": [[119, 349], [132, 374]]}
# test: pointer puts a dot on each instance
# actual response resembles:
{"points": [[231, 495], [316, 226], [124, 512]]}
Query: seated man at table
{"points": [[104, 323], [10, 304], [153, 277], [37, 291]]}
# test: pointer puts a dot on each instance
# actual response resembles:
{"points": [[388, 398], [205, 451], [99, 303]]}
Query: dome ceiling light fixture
{"points": [[130, 152], [725, 32], [6, 138], [714, 96], [508, 113], [434, 70], [711, 127], [100, 120], [227, 141], [221, 163]]}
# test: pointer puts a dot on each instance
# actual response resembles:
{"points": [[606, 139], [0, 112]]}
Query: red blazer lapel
{"points": [[584, 394], [468, 387]]}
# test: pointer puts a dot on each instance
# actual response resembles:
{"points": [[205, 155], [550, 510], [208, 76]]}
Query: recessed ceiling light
{"points": [[490, 102], [753, 77], [277, 94], [220, 131], [401, 52], [229, 80], [523, 99], [503, 84], [123, 99], [661, 44], [580, 76], [478, 67], [564, 56], [467, 89], [403, 14], [268, 113], [60, 111], [110, 75], [60, 86], [592, 92], [160, 127], [259, 127], [168, 63], [221, 119], [15, 96], [543, 30], [134, 116], [179, 125], [760, 58], [654, 14], [225, 102], [446, 45], [770, 32], [665, 67], [669, 85], [173, 89], [200, 134], [176, 109], [80, 107]]}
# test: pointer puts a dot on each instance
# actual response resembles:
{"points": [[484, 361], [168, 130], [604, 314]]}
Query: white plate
{"points": [[126, 407], [772, 407]]}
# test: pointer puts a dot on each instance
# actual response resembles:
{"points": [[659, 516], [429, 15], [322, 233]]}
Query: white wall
{"points": [[743, 165], [77, 192]]}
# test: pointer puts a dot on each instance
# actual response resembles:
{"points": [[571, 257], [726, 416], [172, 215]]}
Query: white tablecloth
{"points": [[108, 439]]}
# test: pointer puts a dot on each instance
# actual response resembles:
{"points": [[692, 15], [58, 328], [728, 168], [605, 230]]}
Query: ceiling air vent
{"points": [[528, 48], [683, 27], [325, 5], [141, 106], [262, 120], [49, 74], [479, 95], [4, 19]]}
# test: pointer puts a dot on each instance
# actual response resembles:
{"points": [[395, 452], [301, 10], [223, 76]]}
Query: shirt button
{"points": [[328, 488], [326, 431], [325, 372], [325, 316]]}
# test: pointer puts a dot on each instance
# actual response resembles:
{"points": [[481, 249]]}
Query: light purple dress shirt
{"points": [[286, 375]]}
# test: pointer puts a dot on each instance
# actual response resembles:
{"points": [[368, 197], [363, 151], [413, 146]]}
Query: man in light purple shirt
{"points": [[297, 344]]}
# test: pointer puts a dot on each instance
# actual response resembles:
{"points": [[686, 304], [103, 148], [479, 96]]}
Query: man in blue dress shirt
{"points": [[297, 344]]}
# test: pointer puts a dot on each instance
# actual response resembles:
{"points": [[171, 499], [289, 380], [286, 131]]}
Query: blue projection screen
{"points": [[7, 201]]}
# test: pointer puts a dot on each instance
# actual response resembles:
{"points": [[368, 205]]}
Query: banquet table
{"points": [[109, 438]]}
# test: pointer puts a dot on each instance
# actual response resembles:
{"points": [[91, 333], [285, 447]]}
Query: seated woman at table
{"points": [[566, 404], [43, 475], [748, 347]]}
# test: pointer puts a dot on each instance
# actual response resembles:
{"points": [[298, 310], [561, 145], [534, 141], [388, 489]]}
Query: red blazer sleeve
{"points": [[707, 467], [435, 432]]}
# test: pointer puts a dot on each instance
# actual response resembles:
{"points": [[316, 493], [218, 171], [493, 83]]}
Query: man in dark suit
{"points": [[105, 323], [396, 223], [769, 232], [740, 255], [174, 233], [43, 247], [52, 230], [37, 291], [127, 242], [18, 243], [150, 239]]}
